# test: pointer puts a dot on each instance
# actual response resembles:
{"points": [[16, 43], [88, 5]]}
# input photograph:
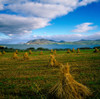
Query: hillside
{"points": [[41, 41], [81, 42], [86, 42]]}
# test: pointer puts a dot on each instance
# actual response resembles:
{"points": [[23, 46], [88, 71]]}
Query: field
{"points": [[33, 78]]}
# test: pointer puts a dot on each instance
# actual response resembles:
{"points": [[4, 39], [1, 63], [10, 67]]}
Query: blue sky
{"points": [[24, 20]]}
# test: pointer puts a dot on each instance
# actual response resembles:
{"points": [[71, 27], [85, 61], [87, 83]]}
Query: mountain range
{"points": [[81, 42]]}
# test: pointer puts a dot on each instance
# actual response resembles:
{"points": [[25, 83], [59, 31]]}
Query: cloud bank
{"points": [[84, 27], [70, 37], [67, 37]]}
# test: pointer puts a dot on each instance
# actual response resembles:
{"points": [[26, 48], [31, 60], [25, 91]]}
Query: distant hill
{"points": [[81, 42], [87, 42], [41, 41]]}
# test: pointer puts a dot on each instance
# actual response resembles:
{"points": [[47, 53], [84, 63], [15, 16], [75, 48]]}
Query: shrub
{"points": [[2, 47], [68, 88], [31, 48]]}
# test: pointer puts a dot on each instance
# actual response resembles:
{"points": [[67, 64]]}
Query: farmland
{"points": [[33, 78]]}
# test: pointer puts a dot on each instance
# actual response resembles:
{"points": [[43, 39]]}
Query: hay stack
{"points": [[4, 52], [54, 52], [16, 51], [30, 52], [68, 88], [51, 51], [78, 50], [68, 51], [52, 61], [25, 56], [73, 50], [15, 56], [0, 53], [41, 53], [96, 50]]}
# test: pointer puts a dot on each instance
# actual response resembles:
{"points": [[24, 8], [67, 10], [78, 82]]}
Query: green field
{"points": [[32, 79]]}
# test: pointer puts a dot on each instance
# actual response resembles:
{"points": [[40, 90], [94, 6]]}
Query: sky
{"points": [[68, 20]]}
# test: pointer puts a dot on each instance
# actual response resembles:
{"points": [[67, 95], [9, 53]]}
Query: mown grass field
{"points": [[32, 79]]}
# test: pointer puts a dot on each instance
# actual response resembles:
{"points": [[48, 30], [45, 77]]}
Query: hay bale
{"points": [[0, 53], [52, 61], [68, 51], [25, 56], [15, 56], [54, 52], [41, 53], [96, 50], [4, 52], [51, 51], [16, 51], [68, 88], [73, 50], [30, 52], [78, 50]]}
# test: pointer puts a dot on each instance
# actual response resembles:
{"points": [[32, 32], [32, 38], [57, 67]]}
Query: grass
{"points": [[32, 79]]}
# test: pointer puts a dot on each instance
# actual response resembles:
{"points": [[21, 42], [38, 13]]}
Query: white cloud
{"points": [[40, 10], [34, 14], [12, 24], [85, 2], [84, 27], [95, 36], [1, 5]]}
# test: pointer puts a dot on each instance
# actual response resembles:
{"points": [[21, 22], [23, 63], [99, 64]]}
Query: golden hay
{"points": [[30, 52], [41, 53], [15, 56], [73, 50], [96, 50], [68, 88], [25, 56], [4, 52], [52, 61], [78, 50], [68, 51], [16, 51], [0, 53], [54, 53], [51, 51]]}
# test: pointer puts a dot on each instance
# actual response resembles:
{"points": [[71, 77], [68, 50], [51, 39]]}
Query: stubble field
{"points": [[33, 78]]}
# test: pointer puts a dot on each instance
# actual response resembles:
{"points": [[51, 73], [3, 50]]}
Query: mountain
{"points": [[41, 41], [88, 42], [81, 42]]}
